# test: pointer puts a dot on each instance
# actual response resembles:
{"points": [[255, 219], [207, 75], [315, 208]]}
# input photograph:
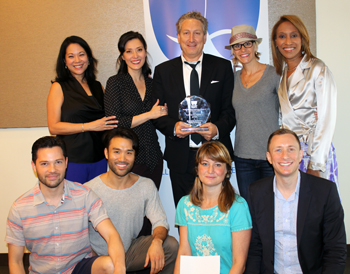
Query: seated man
{"points": [[51, 220], [128, 198], [298, 220]]}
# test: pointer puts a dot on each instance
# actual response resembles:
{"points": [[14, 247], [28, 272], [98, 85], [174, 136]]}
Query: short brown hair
{"points": [[278, 58], [282, 131], [215, 151], [192, 15]]}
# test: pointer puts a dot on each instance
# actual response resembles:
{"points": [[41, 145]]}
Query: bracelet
{"points": [[82, 127]]}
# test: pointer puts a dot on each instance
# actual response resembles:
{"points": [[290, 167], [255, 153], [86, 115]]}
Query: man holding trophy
{"points": [[206, 115]]}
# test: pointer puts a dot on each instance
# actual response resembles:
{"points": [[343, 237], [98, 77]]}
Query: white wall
{"points": [[332, 41], [16, 172]]}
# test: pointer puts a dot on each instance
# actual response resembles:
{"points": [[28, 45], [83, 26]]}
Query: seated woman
{"points": [[213, 220], [75, 110]]}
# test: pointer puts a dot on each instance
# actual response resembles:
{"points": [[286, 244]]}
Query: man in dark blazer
{"points": [[171, 84], [298, 220]]}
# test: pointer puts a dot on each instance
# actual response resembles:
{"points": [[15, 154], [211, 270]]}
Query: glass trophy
{"points": [[195, 111]]}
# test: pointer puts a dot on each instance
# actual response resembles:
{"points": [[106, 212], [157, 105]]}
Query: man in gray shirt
{"points": [[128, 198]]}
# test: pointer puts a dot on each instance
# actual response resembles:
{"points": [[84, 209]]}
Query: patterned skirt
{"points": [[331, 172]]}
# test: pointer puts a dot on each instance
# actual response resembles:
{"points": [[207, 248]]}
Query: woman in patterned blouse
{"points": [[128, 97]]}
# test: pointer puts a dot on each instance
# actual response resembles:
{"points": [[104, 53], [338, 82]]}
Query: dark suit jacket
{"points": [[168, 87], [321, 236]]}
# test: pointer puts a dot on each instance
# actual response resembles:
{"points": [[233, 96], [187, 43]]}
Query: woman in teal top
{"points": [[213, 220]]}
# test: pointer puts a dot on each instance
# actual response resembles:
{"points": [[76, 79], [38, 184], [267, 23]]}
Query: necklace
{"points": [[251, 76], [292, 68]]}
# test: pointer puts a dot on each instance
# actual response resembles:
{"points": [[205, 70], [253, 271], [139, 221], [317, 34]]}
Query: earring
{"points": [[303, 52], [223, 183], [65, 67]]}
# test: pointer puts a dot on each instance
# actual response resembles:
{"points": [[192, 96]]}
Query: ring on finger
{"points": [[106, 123]]}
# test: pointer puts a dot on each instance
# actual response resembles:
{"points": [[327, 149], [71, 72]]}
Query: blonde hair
{"points": [[192, 15], [278, 58], [215, 151]]}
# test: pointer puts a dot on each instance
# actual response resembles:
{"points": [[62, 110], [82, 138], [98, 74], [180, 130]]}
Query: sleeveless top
{"points": [[78, 107]]}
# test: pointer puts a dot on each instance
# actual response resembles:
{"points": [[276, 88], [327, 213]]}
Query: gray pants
{"points": [[136, 255]]}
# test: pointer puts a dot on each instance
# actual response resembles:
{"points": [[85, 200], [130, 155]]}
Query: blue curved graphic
{"points": [[222, 16]]}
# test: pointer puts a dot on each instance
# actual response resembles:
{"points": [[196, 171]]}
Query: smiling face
{"points": [[211, 173], [285, 155], [192, 39], [50, 166], [246, 55], [120, 156], [134, 55], [288, 41], [76, 60]]}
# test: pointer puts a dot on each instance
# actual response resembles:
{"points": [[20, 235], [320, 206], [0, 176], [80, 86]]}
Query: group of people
{"points": [[286, 222]]}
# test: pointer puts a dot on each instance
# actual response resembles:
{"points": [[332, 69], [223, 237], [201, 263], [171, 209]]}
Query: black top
{"points": [[123, 100], [78, 107]]}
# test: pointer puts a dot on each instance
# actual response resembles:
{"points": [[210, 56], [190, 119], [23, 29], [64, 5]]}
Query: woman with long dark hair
{"points": [[128, 97], [75, 110]]}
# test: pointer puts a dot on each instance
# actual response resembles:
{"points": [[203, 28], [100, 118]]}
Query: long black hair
{"points": [[64, 74], [126, 37]]}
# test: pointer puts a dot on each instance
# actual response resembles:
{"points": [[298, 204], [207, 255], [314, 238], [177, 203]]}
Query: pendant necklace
{"points": [[251, 76]]}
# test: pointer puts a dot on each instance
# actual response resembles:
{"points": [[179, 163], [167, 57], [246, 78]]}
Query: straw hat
{"points": [[242, 33]]}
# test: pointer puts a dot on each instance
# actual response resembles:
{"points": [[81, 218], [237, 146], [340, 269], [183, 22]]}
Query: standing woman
{"points": [[75, 110], [256, 105], [213, 220], [128, 97], [307, 95]]}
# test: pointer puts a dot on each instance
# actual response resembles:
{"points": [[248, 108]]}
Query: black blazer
{"points": [[216, 87], [321, 236]]}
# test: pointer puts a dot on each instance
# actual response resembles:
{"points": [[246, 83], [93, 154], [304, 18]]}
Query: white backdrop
{"points": [[158, 57]]}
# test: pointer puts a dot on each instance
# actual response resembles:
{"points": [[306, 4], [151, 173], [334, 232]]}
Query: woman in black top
{"points": [[75, 110], [128, 97]]}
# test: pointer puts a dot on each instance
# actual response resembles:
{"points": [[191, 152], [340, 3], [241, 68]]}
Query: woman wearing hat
{"points": [[255, 101], [307, 95]]}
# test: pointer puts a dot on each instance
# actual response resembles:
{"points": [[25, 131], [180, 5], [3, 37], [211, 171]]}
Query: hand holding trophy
{"points": [[195, 111]]}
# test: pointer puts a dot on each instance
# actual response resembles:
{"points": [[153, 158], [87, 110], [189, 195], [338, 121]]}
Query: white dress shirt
{"points": [[187, 69]]}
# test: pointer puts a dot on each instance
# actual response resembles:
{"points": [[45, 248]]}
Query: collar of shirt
{"points": [[187, 72], [286, 250], [39, 197], [278, 194], [187, 77]]}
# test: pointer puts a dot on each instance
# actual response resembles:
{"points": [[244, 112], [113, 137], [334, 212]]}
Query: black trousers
{"points": [[182, 182]]}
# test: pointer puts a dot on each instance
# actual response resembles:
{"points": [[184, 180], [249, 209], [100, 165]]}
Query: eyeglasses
{"points": [[247, 45]]}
